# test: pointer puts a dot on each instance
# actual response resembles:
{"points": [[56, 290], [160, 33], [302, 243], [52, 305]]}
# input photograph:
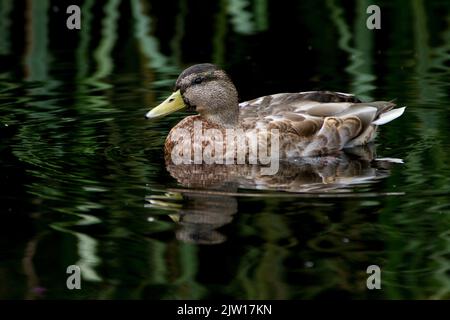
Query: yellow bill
{"points": [[171, 104]]}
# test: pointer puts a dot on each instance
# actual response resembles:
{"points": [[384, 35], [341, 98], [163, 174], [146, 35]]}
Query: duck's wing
{"points": [[329, 119], [290, 101], [301, 113]]}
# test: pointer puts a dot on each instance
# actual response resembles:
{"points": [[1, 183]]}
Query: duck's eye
{"points": [[198, 80]]}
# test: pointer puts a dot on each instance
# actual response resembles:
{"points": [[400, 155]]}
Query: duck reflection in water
{"points": [[208, 192]]}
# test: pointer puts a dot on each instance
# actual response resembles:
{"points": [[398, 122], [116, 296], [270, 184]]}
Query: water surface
{"points": [[83, 177]]}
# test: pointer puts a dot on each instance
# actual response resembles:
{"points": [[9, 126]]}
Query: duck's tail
{"points": [[383, 114], [385, 111], [388, 116]]}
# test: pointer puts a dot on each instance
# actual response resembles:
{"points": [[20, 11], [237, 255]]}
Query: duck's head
{"points": [[206, 89]]}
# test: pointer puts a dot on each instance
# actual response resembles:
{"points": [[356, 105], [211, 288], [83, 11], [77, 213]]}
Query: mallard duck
{"points": [[313, 123]]}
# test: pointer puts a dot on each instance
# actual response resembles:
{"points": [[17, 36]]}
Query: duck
{"points": [[308, 124]]}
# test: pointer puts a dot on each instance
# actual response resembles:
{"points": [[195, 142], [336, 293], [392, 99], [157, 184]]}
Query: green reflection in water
{"points": [[149, 45], [5, 22], [108, 39], [241, 18], [38, 58], [248, 17], [360, 60], [83, 46], [87, 246], [180, 21], [219, 35]]}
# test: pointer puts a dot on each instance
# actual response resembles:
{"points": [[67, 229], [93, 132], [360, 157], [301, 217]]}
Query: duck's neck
{"points": [[224, 109], [224, 117]]}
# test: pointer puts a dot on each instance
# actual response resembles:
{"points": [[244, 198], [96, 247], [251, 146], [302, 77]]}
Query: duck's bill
{"points": [[171, 104]]}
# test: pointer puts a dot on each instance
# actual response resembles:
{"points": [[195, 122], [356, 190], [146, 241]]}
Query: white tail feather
{"points": [[389, 116], [393, 160]]}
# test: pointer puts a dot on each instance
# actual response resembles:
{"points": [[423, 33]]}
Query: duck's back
{"points": [[317, 122]]}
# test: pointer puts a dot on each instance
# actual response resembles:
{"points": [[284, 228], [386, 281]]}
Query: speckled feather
{"points": [[316, 122]]}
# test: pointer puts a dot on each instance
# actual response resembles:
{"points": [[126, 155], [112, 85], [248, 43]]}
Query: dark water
{"points": [[83, 178]]}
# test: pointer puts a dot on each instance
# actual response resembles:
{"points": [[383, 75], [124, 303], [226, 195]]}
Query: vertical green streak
{"points": [[85, 35], [87, 250], [261, 270], [179, 32], [269, 273], [109, 36], [425, 59], [359, 66], [425, 79], [243, 278], [261, 15], [442, 53], [37, 58], [157, 253], [423, 53], [5, 22], [440, 257], [241, 18], [362, 67], [102, 54], [219, 35], [83, 58], [155, 276], [148, 43], [189, 266], [86, 102], [87, 246]]}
